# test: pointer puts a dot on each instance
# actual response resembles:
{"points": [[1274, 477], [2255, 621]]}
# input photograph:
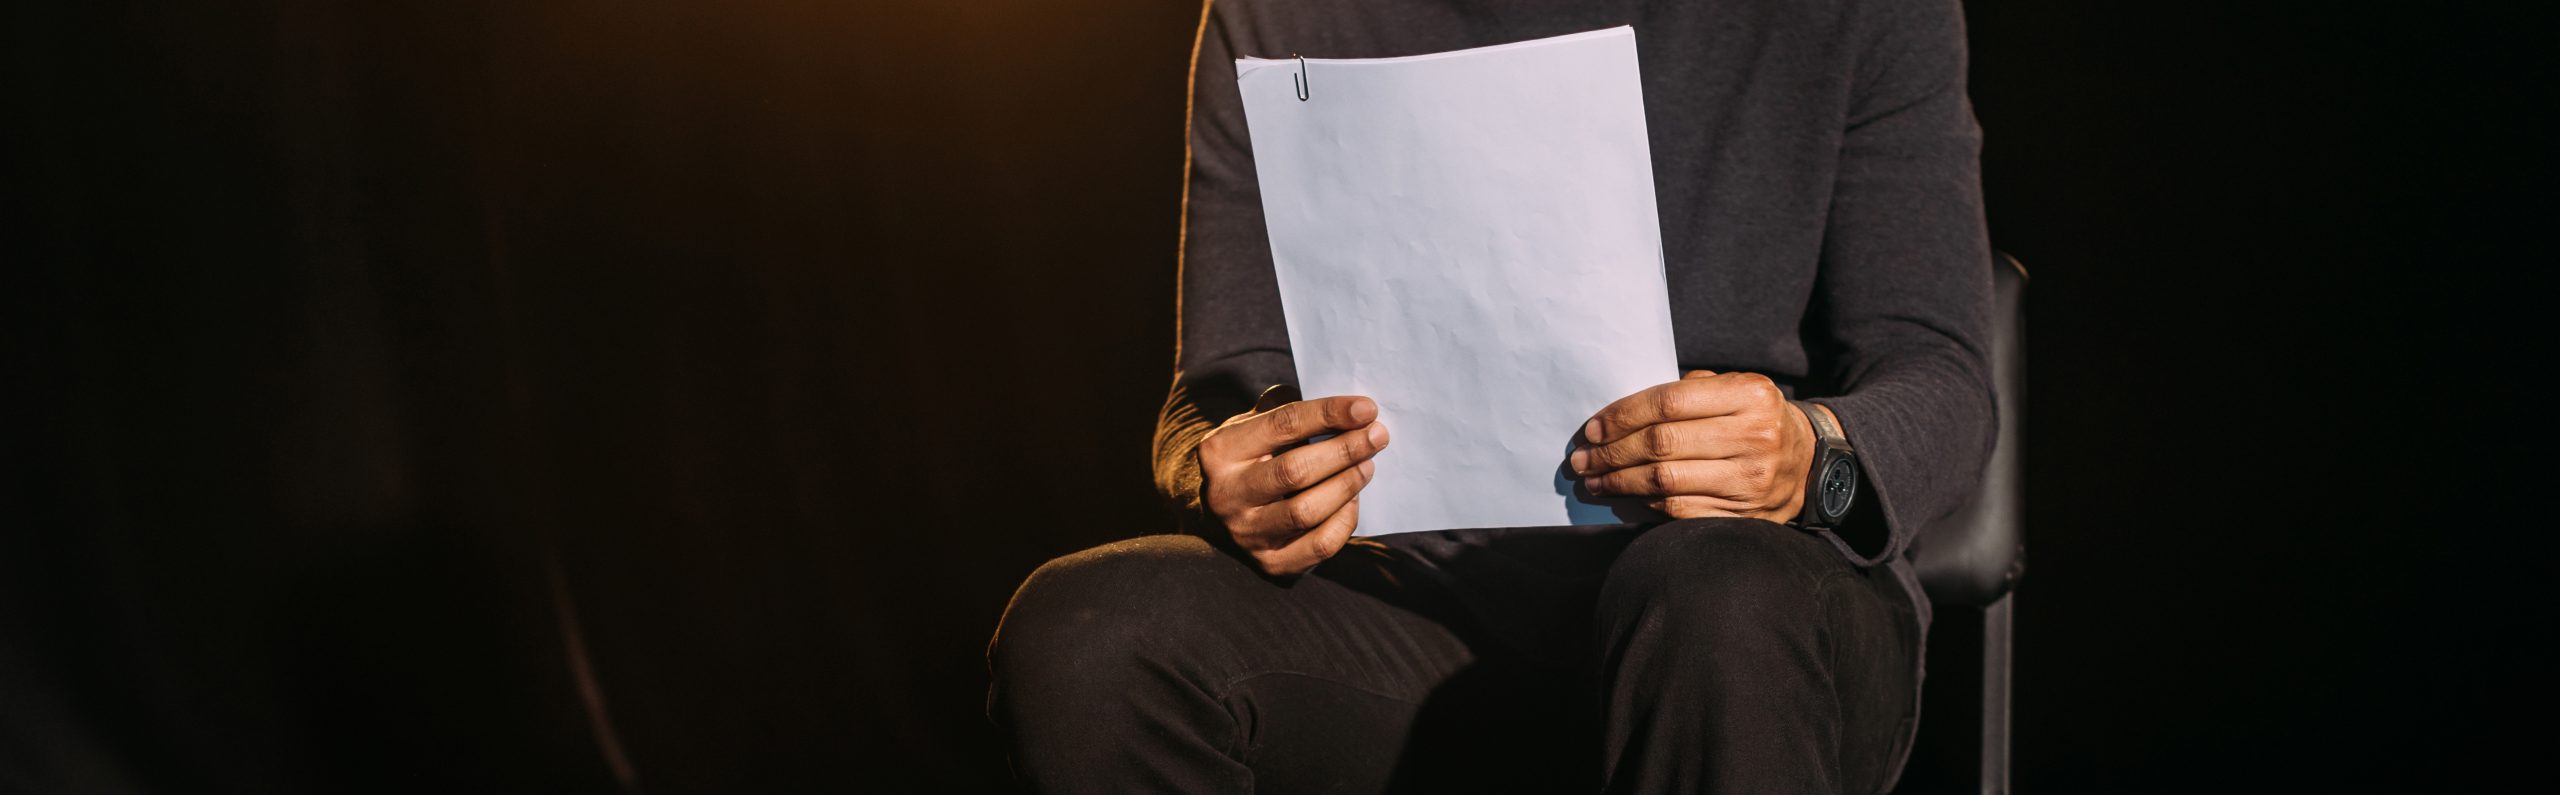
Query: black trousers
{"points": [[1724, 655]]}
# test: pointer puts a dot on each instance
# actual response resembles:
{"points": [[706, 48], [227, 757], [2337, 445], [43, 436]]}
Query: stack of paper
{"points": [[1470, 239]]}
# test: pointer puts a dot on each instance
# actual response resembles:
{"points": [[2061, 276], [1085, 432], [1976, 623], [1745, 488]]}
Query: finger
{"points": [[1697, 507], [1287, 473], [1707, 439], [1729, 478], [1280, 522], [1685, 399], [1312, 507], [1296, 422], [1316, 545]]}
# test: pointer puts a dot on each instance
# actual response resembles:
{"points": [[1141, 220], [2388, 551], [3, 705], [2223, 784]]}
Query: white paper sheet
{"points": [[1470, 239]]}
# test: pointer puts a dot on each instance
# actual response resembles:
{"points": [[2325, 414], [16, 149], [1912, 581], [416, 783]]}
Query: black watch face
{"points": [[1839, 486]]}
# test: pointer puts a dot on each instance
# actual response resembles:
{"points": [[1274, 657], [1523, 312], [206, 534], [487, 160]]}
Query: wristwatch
{"points": [[1832, 486]]}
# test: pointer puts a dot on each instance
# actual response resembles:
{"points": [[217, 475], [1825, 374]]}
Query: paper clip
{"points": [[1300, 79]]}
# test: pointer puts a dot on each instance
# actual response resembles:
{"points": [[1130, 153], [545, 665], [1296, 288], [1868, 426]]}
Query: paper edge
{"points": [[1249, 65]]}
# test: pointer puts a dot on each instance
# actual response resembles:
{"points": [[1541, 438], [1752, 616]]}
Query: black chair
{"points": [[1969, 565]]}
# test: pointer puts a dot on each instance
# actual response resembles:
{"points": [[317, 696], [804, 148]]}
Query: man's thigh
{"points": [[1177, 601], [1165, 651], [1759, 644]]}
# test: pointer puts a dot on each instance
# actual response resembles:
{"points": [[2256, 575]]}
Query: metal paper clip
{"points": [[1300, 79]]}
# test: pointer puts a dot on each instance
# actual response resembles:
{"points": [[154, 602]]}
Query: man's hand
{"points": [[1290, 509], [1706, 445]]}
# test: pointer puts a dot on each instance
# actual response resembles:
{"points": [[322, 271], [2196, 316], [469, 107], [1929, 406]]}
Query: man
{"points": [[1816, 171]]}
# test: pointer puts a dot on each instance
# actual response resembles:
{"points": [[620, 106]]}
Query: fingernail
{"points": [[1368, 469], [1377, 434], [1591, 430], [1576, 461], [1364, 410]]}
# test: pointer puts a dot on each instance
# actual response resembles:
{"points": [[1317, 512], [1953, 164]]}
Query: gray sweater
{"points": [[1815, 166]]}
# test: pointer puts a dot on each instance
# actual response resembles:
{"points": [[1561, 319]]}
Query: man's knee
{"points": [[1720, 574], [1086, 616]]}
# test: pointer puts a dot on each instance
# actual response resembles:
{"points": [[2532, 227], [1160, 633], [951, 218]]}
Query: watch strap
{"points": [[1823, 428]]}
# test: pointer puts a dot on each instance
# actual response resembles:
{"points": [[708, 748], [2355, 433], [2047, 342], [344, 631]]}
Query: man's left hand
{"points": [[1709, 444]]}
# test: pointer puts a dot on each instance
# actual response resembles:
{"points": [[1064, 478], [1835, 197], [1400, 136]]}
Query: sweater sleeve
{"points": [[1232, 341], [1902, 300]]}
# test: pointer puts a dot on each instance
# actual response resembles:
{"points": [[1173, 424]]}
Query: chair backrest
{"points": [[1974, 556]]}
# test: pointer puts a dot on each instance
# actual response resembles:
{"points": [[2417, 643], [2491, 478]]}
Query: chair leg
{"points": [[1995, 694]]}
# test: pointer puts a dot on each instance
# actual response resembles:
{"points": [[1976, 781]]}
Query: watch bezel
{"points": [[1841, 467]]}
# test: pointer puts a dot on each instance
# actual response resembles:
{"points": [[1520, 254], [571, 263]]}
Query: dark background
{"points": [[371, 368]]}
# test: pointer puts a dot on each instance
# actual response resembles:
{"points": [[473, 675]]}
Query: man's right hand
{"points": [[1291, 508]]}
